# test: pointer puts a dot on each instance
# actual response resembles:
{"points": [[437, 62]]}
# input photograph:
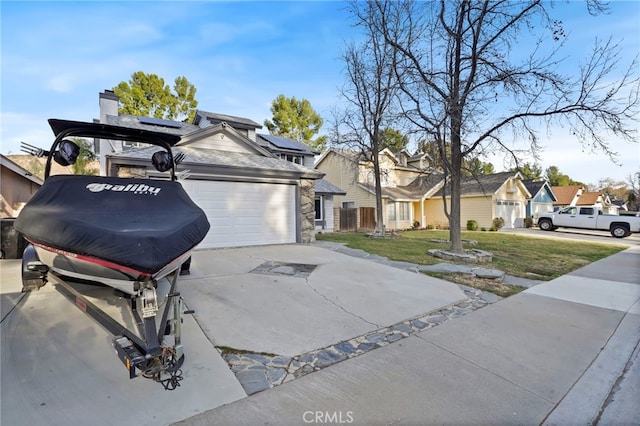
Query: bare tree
{"points": [[370, 93], [483, 75]]}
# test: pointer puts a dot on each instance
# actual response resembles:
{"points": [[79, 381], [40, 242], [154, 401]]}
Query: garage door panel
{"points": [[512, 211], [245, 213]]}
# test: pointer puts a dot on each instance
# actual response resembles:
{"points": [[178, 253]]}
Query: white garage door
{"points": [[245, 213], [512, 212]]}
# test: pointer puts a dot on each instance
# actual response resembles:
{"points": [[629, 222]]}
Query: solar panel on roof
{"points": [[284, 143], [159, 122]]}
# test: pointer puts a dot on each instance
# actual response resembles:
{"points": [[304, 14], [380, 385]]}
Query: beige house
{"points": [[412, 193], [17, 185]]}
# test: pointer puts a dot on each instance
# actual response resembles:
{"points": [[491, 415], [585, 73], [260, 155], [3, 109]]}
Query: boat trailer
{"points": [[150, 346]]}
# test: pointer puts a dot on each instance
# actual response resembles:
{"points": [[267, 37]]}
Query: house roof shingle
{"points": [[133, 122], [15, 166], [565, 194], [226, 159], [327, 188], [588, 198], [481, 185]]}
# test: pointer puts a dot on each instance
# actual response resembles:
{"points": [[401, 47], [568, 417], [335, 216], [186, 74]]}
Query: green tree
{"points": [[393, 139], [529, 171], [556, 178], [296, 119], [84, 162], [147, 95], [475, 167]]}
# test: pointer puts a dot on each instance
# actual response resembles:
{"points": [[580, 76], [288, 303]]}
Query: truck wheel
{"points": [[545, 225], [619, 231]]}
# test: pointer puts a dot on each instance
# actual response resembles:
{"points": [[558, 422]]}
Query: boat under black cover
{"points": [[141, 224]]}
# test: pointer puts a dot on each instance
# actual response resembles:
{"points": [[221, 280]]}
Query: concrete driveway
{"points": [[280, 311], [58, 366]]}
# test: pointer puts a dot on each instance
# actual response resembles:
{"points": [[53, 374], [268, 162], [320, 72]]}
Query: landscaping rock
{"points": [[253, 380], [493, 274]]}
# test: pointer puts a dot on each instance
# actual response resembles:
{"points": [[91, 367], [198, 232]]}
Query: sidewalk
{"points": [[563, 352]]}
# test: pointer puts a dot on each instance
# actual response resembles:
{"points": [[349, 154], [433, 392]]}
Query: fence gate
{"points": [[348, 220], [367, 218]]}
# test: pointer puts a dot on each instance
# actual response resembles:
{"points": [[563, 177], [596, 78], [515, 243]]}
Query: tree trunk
{"points": [[455, 227], [378, 187]]}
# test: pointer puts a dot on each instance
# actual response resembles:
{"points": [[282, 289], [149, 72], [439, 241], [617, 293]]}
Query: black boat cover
{"points": [[139, 223]]}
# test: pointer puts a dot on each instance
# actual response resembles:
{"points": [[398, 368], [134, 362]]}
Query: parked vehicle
{"points": [[589, 218]]}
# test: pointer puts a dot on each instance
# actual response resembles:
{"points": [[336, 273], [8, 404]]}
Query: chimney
{"points": [[108, 102]]}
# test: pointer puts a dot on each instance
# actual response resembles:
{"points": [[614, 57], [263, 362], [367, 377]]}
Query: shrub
{"points": [[528, 222], [472, 225], [498, 223], [431, 226], [483, 229], [416, 225]]}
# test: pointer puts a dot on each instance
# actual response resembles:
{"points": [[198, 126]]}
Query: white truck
{"points": [[589, 218]]}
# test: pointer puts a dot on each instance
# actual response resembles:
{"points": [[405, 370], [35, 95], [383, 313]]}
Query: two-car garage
{"points": [[245, 213]]}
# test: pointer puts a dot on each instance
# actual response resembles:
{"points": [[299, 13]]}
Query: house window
{"points": [[404, 211], [131, 145], [348, 204], [398, 211], [319, 208], [297, 159], [391, 211]]}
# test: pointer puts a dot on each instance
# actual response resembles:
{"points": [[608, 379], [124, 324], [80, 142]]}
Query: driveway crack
{"points": [[334, 303]]}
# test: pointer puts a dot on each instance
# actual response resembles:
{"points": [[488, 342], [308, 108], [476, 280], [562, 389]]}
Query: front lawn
{"points": [[520, 256]]}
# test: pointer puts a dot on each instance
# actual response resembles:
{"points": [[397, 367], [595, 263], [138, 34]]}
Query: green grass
{"points": [[520, 256]]}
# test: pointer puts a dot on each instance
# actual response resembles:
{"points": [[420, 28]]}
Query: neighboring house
{"points": [[542, 198], [566, 195], [17, 186], [599, 200], [412, 192], [353, 173], [486, 197], [250, 195]]}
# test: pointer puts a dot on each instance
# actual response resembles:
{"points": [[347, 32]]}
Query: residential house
{"points": [[566, 195], [599, 200], [542, 198], [484, 198], [412, 192], [255, 189], [17, 185], [353, 172]]}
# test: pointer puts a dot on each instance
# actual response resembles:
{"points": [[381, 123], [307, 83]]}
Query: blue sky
{"points": [[57, 56]]}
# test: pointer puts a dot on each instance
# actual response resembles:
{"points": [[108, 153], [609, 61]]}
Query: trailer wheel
{"points": [[545, 224], [619, 231]]}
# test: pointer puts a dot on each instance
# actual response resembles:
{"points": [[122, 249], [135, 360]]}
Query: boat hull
{"points": [[122, 278]]}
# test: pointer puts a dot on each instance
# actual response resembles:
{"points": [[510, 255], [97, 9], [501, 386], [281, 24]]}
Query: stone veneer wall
{"points": [[132, 172], [307, 211]]}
